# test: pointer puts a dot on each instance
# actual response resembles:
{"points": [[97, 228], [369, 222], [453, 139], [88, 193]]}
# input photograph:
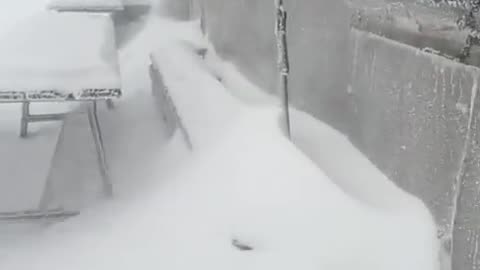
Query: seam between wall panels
{"points": [[462, 168]]}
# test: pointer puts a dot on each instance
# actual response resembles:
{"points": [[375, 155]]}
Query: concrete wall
{"points": [[243, 32], [415, 115], [239, 28], [177, 9]]}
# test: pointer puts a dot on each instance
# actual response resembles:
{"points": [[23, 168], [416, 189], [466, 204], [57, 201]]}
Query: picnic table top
{"points": [[86, 5], [61, 56]]}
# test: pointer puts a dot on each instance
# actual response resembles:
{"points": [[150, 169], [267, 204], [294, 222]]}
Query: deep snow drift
{"points": [[241, 189], [243, 181]]}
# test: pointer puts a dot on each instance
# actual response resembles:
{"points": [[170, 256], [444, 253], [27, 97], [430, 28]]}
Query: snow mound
{"points": [[252, 186], [341, 161], [332, 151]]}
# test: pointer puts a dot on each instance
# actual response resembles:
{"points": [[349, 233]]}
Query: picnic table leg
{"points": [[25, 119], [48, 190], [110, 104], [100, 149]]}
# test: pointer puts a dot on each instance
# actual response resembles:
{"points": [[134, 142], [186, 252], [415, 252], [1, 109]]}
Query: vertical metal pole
{"points": [[285, 103], [203, 17], [24, 121], [191, 10], [283, 60], [100, 149]]}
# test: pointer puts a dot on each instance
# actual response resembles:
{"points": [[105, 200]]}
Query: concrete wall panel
{"points": [[415, 115]]}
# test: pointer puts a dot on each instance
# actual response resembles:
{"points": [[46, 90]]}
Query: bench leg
{"points": [[24, 121], [100, 149]]}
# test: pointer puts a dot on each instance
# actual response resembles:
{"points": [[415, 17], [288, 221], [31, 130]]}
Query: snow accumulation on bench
{"points": [[59, 56], [86, 5], [202, 119]]}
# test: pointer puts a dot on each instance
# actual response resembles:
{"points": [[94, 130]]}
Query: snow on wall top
{"points": [[86, 5], [416, 24], [61, 53]]}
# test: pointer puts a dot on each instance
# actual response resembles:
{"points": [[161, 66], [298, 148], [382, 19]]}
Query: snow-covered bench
{"points": [[61, 57], [185, 95], [168, 109]]}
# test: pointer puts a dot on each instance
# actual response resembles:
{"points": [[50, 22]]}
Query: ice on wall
{"points": [[415, 117], [413, 128]]}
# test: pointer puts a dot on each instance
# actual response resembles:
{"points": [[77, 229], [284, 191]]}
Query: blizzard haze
{"points": [[203, 174]]}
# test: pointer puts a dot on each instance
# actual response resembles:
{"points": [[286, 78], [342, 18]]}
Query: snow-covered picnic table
{"points": [[53, 58], [86, 5]]}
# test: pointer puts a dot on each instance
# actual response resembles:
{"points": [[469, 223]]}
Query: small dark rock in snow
{"points": [[202, 52], [241, 246]]}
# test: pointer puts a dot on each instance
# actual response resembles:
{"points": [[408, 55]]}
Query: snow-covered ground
{"points": [[315, 204]]}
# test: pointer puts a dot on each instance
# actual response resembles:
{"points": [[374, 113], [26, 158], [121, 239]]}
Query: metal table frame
{"points": [[90, 96]]}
